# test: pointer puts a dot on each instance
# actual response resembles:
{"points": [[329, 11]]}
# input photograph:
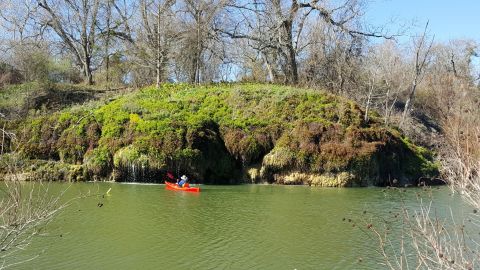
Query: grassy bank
{"points": [[224, 134]]}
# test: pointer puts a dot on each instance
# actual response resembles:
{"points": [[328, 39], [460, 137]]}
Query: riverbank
{"points": [[220, 134]]}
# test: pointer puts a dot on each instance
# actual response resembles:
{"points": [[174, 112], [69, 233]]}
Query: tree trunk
{"points": [[107, 45], [159, 69], [107, 65], [292, 69], [193, 72], [369, 99], [271, 75], [409, 100], [89, 79], [159, 76], [159, 58], [87, 70], [198, 54]]}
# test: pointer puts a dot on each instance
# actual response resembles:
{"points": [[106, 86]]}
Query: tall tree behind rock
{"points": [[76, 23], [200, 42], [332, 59], [283, 24], [21, 40], [423, 46], [451, 74], [156, 35], [386, 77]]}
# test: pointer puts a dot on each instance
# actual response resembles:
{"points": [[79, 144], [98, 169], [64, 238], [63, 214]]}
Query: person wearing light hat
{"points": [[183, 181]]}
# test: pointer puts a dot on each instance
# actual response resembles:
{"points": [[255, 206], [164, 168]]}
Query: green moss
{"points": [[343, 179], [279, 158], [217, 130], [98, 161], [421, 160], [130, 155]]}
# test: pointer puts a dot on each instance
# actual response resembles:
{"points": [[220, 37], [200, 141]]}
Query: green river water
{"points": [[223, 227]]}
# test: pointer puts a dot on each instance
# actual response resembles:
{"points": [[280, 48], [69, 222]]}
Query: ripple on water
{"points": [[223, 227]]}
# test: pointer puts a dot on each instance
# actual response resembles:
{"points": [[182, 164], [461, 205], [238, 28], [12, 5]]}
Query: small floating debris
{"points": [[107, 193]]}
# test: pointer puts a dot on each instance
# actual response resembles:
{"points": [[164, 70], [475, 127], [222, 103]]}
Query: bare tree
{"points": [[332, 60], [150, 31], [283, 23], [423, 48], [432, 236], [158, 19], [386, 77], [395, 78], [373, 75], [108, 40], [460, 150], [200, 42], [76, 23], [424, 239], [23, 47], [18, 20]]}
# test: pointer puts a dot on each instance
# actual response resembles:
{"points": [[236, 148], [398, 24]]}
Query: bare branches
{"points": [[18, 18], [423, 236], [422, 52], [328, 16], [79, 33], [278, 30], [25, 212], [460, 152], [435, 239], [277, 27]]}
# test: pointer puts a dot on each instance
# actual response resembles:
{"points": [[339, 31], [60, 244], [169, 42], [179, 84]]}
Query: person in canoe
{"points": [[183, 181]]}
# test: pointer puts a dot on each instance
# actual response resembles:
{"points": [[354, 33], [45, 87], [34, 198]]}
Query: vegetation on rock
{"points": [[226, 132]]}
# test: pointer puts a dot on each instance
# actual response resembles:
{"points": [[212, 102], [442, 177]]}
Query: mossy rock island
{"points": [[222, 134]]}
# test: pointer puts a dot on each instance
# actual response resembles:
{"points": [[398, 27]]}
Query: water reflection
{"points": [[222, 227]]}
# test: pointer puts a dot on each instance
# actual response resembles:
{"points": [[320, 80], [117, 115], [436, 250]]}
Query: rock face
{"points": [[353, 157], [227, 134]]}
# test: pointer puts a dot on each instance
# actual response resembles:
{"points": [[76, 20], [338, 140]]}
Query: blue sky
{"points": [[449, 19]]}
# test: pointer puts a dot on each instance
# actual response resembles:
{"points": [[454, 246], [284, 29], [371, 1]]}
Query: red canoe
{"points": [[173, 186]]}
